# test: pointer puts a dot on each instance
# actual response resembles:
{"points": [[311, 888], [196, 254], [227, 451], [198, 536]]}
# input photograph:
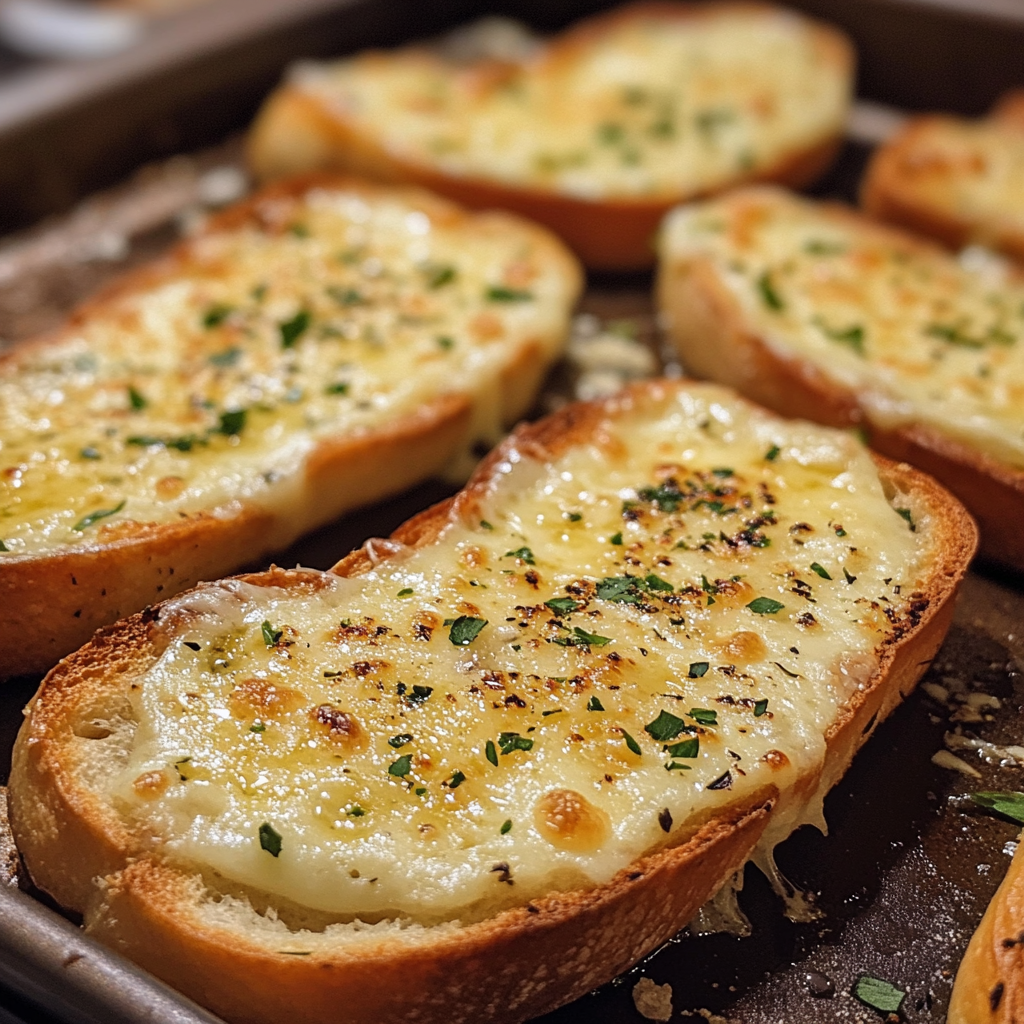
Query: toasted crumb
{"points": [[653, 1001]]}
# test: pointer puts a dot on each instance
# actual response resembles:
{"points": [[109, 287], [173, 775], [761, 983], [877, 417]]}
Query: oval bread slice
{"points": [[989, 986], [817, 311], [955, 180], [320, 346], [489, 763], [597, 135]]}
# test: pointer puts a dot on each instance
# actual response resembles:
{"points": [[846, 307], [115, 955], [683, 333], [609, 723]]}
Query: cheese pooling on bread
{"points": [[919, 336], [321, 312], [599, 651], [656, 101]]}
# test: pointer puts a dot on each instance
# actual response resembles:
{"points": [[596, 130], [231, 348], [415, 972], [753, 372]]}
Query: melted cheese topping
{"points": [[655, 105], [610, 647], [919, 335], [327, 315], [972, 169]]}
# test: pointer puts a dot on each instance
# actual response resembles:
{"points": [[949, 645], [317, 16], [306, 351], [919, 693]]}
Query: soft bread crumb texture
{"points": [[604, 650], [918, 336]]}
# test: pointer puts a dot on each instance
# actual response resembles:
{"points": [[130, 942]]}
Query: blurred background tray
{"points": [[909, 866]]}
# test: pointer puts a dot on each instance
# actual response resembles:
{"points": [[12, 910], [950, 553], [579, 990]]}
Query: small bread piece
{"points": [[989, 986], [489, 763], [955, 180], [816, 311], [597, 135], [321, 345]]}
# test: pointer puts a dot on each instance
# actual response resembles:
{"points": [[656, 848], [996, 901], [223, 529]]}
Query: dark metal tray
{"points": [[909, 866]]}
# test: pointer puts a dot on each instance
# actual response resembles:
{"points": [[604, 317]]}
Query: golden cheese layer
{"points": [[920, 336], [330, 314], [973, 170], [662, 621], [656, 105]]}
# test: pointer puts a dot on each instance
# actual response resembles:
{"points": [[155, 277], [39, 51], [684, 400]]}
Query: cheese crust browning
{"points": [[322, 345], [597, 134], [818, 312], [955, 180], [539, 726]]}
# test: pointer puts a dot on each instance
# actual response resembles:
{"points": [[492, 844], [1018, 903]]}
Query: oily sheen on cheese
{"points": [[606, 649], [334, 311], [656, 104], [920, 336]]}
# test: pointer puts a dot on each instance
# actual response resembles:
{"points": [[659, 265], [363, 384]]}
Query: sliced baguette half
{"points": [[483, 766], [989, 986], [321, 345], [597, 134], [953, 179], [816, 311]]}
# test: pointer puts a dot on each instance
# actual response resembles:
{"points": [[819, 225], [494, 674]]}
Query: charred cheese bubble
{"points": [[332, 312], [655, 104], [608, 648], [920, 336]]}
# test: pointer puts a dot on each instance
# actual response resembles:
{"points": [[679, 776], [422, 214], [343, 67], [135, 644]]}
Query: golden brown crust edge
{"points": [[708, 330], [522, 962], [890, 193], [54, 603], [989, 986], [295, 133]]}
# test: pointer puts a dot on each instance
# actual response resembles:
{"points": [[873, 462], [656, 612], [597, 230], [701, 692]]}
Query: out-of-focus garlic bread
{"points": [[597, 134], [322, 345], [819, 312], [489, 763], [956, 180]]}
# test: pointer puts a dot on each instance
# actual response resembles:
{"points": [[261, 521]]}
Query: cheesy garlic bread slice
{"points": [[956, 180], [597, 134], [483, 766], [816, 311], [322, 345]]}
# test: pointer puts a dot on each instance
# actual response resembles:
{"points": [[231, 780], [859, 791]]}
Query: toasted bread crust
{"points": [[989, 986], [715, 342], [294, 132], [891, 189], [56, 601], [520, 963]]}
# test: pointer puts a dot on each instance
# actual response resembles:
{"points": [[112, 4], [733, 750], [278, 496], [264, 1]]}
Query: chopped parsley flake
{"points": [[665, 727], [573, 517], [465, 629], [769, 296], [631, 743], [500, 293], [270, 839], [341, 388], [457, 779], [3, 546], [773, 453], [616, 539], [705, 716], [666, 496], [820, 570], [1010, 805], [556, 711], [760, 707], [506, 827], [690, 747], [653, 582], [675, 766], [216, 315], [443, 341], [438, 275], [562, 605], [419, 693], [94, 517], [698, 669], [232, 422], [271, 636], [355, 811], [852, 337], [292, 330], [406, 592], [765, 606], [401, 767], [594, 705], [905, 513], [878, 994], [484, 525], [509, 741], [400, 740], [257, 726], [491, 753], [581, 638], [524, 554], [136, 399]]}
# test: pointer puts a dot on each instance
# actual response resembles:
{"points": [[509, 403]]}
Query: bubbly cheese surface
{"points": [[608, 647], [656, 104], [919, 335], [330, 314]]}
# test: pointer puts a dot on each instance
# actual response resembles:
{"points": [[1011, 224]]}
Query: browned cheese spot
{"points": [[775, 759], [567, 819], [342, 728], [149, 785], [258, 698], [474, 557], [169, 487], [743, 646]]}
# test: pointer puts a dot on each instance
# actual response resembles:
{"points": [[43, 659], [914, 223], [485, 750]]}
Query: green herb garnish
{"points": [[562, 605], [697, 669], [820, 570], [506, 827], [490, 753], [594, 705], [905, 512], [271, 636], [665, 727], [341, 388], [292, 330], [499, 293], [631, 743], [400, 740], [457, 779], [773, 453], [581, 637], [524, 554], [438, 275], [465, 629], [232, 422], [616, 539], [705, 716], [1010, 805], [760, 707], [765, 606], [878, 994], [217, 314], [401, 767], [769, 295], [344, 296], [136, 399], [270, 839], [355, 811], [509, 741], [94, 517], [406, 592], [690, 747]]}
